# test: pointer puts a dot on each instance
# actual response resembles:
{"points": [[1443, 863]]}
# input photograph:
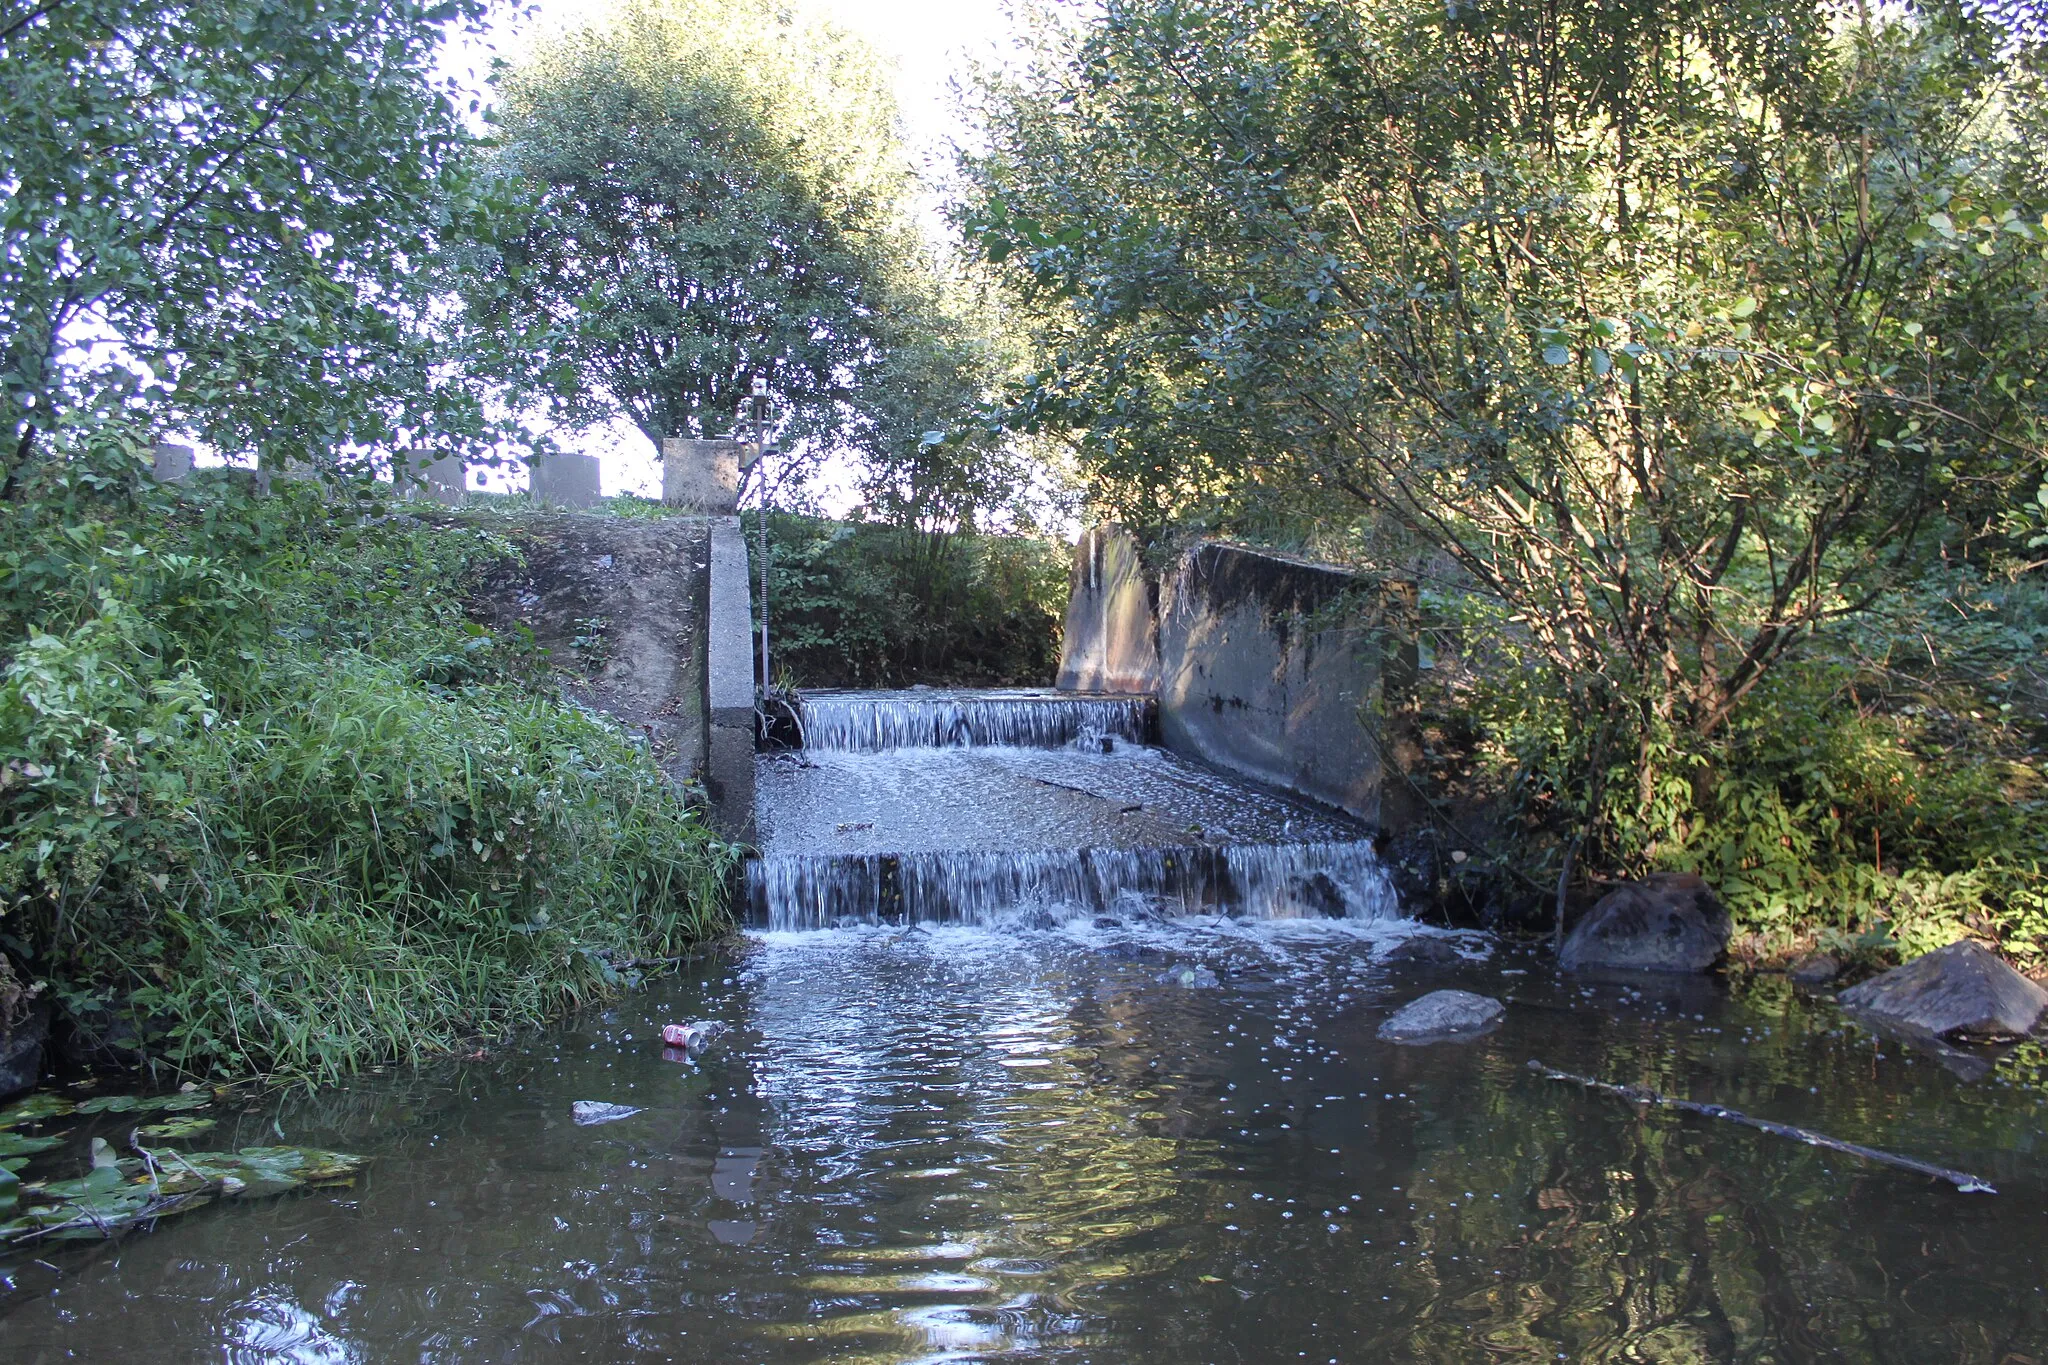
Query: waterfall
{"points": [[870, 722], [1250, 881], [1063, 814]]}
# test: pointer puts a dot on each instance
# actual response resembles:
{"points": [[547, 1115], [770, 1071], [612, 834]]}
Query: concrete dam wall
{"points": [[1264, 665]]}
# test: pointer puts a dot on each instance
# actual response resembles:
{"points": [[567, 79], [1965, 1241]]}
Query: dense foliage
{"points": [[1666, 339], [267, 799], [231, 219], [874, 605], [717, 193]]}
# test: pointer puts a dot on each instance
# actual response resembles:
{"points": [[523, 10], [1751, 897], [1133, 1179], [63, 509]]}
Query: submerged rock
{"points": [[1426, 952], [1442, 1015], [1815, 969], [1188, 974], [1670, 922], [1963, 990]]}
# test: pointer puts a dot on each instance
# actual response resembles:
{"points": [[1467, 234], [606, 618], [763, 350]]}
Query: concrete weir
{"points": [[1263, 665], [1028, 808]]}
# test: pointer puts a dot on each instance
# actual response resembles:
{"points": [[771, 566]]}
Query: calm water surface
{"points": [[965, 1144]]}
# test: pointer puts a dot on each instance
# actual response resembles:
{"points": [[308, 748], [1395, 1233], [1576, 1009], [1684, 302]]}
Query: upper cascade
{"points": [[871, 722]]}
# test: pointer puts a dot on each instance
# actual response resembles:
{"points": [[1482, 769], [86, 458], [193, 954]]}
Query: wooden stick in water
{"points": [[1641, 1094]]}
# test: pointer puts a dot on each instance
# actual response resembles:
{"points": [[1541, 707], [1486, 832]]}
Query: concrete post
{"points": [[564, 480], [173, 462], [703, 476], [729, 684], [446, 480]]}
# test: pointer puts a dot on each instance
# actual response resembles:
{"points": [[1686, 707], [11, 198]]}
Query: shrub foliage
{"points": [[265, 791]]}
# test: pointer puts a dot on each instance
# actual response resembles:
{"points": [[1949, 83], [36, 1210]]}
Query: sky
{"points": [[931, 42]]}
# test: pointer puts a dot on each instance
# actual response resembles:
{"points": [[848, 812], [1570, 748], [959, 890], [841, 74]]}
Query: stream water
{"points": [[1006, 1119]]}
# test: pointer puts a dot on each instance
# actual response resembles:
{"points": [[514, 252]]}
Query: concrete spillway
{"points": [[991, 808]]}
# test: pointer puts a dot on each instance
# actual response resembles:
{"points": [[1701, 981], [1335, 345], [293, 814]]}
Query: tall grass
{"points": [[268, 797]]}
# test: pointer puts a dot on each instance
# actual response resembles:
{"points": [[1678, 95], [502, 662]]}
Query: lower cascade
{"points": [[1042, 886], [1027, 809]]}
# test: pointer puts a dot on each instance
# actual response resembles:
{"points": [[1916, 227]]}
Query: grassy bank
{"points": [[270, 803]]}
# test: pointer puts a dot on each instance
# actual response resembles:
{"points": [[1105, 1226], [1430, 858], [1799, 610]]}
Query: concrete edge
{"points": [[729, 684]]}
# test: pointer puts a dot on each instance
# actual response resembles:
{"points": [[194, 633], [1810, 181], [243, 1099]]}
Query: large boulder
{"points": [[21, 1047], [1442, 1015], [1962, 991], [1669, 922]]}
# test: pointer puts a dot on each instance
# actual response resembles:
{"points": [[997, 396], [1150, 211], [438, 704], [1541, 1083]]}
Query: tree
{"points": [[222, 216], [1679, 330], [717, 192]]}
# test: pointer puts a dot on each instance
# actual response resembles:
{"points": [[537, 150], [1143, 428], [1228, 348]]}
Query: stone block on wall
{"points": [[703, 476], [565, 480]]}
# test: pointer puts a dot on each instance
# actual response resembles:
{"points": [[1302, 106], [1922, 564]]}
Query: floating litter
{"points": [[596, 1111]]}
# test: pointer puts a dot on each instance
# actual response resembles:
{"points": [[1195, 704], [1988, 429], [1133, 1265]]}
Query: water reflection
{"points": [[961, 1145]]}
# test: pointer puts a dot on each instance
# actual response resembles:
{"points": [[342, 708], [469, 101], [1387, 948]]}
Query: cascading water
{"points": [[871, 722], [1028, 808]]}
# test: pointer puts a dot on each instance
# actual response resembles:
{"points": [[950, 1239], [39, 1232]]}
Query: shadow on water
{"points": [[957, 1143]]}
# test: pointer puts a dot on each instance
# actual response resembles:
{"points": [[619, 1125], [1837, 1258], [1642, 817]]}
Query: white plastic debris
{"points": [[597, 1111]]}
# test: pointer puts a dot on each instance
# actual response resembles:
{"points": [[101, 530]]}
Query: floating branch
{"points": [[1642, 1094]]}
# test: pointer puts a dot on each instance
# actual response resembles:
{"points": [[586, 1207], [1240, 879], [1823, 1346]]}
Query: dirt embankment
{"points": [[619, 606]]}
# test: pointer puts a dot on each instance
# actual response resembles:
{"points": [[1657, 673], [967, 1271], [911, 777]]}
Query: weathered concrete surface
{"points": [[565, 480], [1669, 922], [1443, 1016], [173, 462], [620, 605], [729, 682], [1274, 668], [1962, 991], [703, 476], [1111, 642], [445, 480]]}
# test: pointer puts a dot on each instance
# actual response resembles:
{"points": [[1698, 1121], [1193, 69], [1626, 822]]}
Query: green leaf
{"points": [[1743, 309], [177, 1128], [1554, 354], [42, 1105], [14, 1144]]}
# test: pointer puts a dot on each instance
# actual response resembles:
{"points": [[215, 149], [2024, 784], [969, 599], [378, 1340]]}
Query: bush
{"points": [[1883, 792], [265, 791], [855, 604]]}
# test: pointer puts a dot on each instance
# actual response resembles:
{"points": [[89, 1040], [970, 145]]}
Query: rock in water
{"points": [[597, 1111], [1442, 1014], [1816, 969], [1670, 922], [1426, 952], [21, 1048], [1188, 975], [1963, 990]]}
